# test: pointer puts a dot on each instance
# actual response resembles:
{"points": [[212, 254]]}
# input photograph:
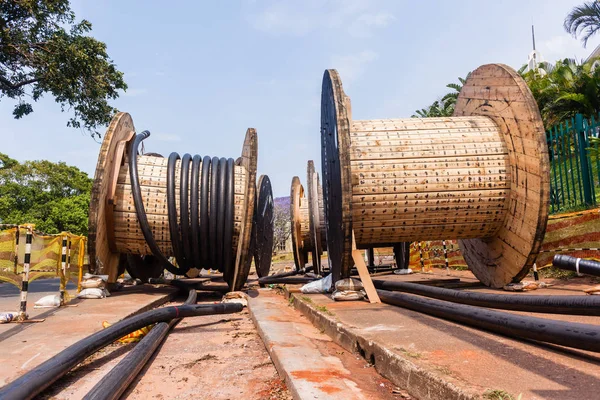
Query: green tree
{"points": [[565, 89], [438, 108], [53, 196], [584, 21], [43, 49], [443, 107]]}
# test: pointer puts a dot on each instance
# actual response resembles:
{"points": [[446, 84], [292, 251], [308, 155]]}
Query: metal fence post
{"points": [[583, 157]]}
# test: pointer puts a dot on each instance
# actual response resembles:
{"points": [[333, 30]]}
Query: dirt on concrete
{"points": [[211, 357]]}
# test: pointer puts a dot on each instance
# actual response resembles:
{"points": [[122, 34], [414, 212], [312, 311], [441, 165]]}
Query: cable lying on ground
{"points": [[118, 379], [35, 381], [569, 334], [579, 265], [573, 305]]}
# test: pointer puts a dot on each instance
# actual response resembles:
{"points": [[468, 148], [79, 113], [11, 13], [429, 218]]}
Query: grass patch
{"points": [[410, 354], [323, 309], [556, 273], [306, 299], [496, 394]]}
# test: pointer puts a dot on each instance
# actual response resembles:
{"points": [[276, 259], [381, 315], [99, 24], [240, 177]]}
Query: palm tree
{"points": [[584, 21], [443, 107], [565, 89], [438, 108], [456, 87]]}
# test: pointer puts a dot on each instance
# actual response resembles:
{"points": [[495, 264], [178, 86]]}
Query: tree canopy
{"points": [[53, 196], [44, 49], [444, 107], [565, 89]]}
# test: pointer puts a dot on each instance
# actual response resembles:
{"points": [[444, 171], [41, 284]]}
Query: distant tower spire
{"points": [[533, 36]]}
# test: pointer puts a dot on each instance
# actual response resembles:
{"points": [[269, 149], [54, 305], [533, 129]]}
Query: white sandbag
{"points": [[347, 295], [93, 282], [318, 286], [349, 284], [93, 293], [87, 275], [6, 317], [406, 271], [348, 289], [52, 300]]}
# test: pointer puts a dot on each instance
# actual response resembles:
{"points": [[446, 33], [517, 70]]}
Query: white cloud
{"points": [[356, 17], [352, 66], [563, 46], [166, 137]]}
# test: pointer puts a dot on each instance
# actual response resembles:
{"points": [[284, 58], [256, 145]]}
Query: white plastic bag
{"points": [[318, 286], [52, 300]]}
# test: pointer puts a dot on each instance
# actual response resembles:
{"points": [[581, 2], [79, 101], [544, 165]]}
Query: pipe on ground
{"points": [[579, 265], [35, 381], [569, 334], [571, 305]]}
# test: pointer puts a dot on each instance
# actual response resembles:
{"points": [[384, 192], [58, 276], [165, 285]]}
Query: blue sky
{"points": [[201, 72]]}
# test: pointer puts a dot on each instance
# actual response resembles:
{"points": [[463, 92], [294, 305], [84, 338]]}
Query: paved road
{"points": [[9, 296]]}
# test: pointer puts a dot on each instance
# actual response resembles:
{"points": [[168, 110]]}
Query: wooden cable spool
{"points": [[316, 216], [262, 228], [481, 176], [113, 225], [301, 242], [307, 220]]}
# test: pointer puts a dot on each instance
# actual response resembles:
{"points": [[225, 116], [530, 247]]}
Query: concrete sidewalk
{"points": [[437, 359], [25, 346], [312, 366]]}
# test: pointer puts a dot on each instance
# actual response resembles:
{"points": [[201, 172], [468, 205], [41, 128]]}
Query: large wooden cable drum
{"points": [[300, 228], [481, 176], [114, 226], [316, 216]]}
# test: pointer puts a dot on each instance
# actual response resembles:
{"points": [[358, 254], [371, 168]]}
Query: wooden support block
{"points": [[363, 272]]}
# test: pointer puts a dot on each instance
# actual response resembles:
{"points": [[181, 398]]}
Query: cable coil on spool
{"points": [[202, 235], [200, 210]]}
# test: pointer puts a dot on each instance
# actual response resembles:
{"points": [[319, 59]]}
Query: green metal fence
{"points": [[573, 147]]}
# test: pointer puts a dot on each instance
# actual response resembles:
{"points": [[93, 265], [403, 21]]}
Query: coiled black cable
{"points": [[202, 232]]}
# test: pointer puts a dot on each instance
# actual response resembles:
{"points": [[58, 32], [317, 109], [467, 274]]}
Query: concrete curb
{"points": [[297, 350], [419, 382]]}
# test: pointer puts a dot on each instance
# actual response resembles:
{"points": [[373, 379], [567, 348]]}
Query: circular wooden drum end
{"points": [[262, 229], [296, 195], [103, 260], [336, 174], [312, 181], [498, 92], [249, 160]]}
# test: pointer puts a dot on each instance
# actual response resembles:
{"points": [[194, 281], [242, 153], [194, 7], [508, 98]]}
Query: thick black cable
{"points": [[195, 211], [221, 212], [580, 265], [552, 304], [118, 379], [204, 211], [569, 334], [229, 258], [213, 211], [202, 231], [172, 210], [35, 381], [139, 205], [184, 196]]}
